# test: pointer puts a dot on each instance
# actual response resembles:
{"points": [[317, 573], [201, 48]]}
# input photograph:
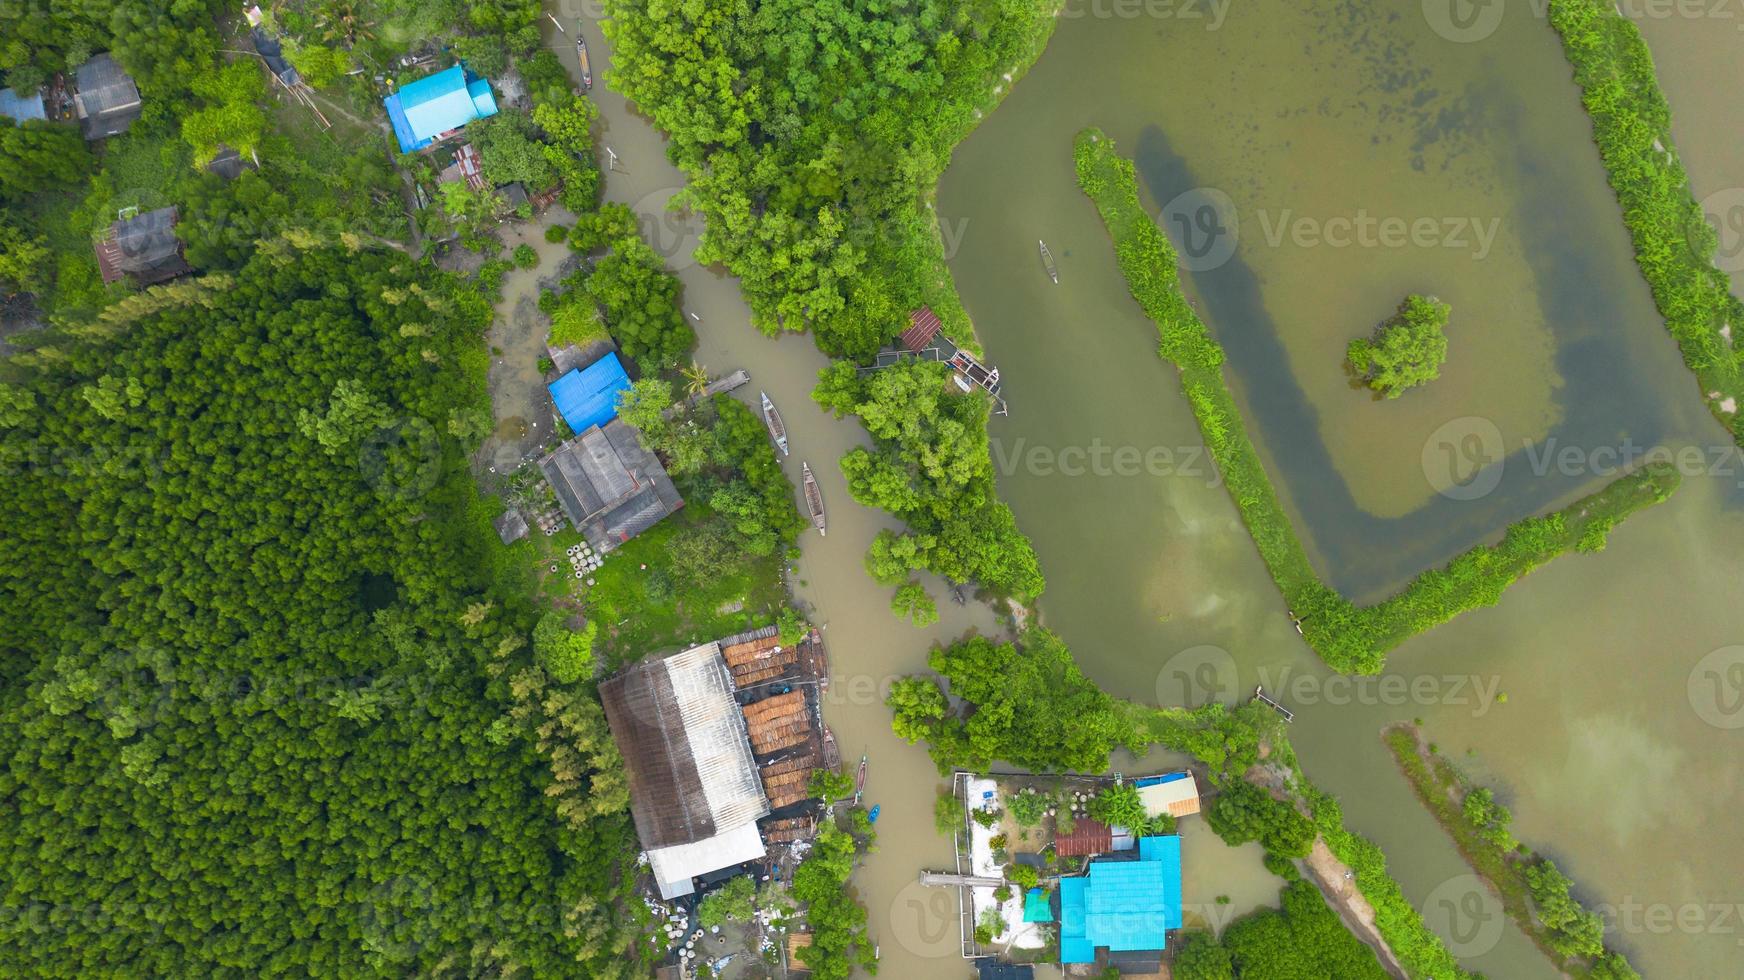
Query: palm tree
{"points": [[343, 20], [696, 379]]}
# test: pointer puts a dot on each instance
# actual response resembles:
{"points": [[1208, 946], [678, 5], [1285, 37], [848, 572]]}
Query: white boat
{"points": [[772, 419], [1048, 262]]}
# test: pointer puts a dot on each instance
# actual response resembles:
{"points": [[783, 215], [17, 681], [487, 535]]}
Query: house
{"points": [[1123, 907], [988, 968], [1172, 793], [143, 247], [228, 164], [514, 194], [695, 795], [1089, 837], [435, 107], [511, 525], [610, 487], [104, 97], [22, 107]]}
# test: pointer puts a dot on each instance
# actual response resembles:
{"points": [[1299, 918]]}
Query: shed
{"points": [[106, 99], [144, 247], [588, 396], [22, 106], [514, 194], [923, 326], [228, 164], [434, 106], [1172, 793], [988, 968], [273, 54], [511, 525], [1088, 837], [694, 792]]}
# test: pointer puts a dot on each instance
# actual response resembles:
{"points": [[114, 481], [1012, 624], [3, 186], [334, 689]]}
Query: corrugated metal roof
{"points": [[425, 109], [685, 749], [588, 396]]}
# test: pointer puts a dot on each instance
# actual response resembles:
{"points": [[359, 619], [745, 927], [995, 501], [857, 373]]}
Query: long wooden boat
{"points": [[772, 419], [581, 53], [814, 498], [1048, 262], [860, 780]]}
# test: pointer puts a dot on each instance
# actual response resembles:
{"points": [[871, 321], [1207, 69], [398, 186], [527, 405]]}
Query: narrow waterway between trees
{"points": [[1594, 698]]}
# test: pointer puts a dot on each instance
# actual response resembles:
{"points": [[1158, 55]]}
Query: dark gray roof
{"points": [[514, 193], [511, 525], [146, 240], [107, 100], [273, 53], [609, 486], [227, 164]]}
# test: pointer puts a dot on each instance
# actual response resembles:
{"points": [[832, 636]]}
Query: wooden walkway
{"points": [[944, 879]]}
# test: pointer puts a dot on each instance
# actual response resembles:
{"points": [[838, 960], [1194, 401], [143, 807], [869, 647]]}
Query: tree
{"points": [[1119, 806], [1201, 958], [731, 902], [39, 156], [1405, 351], [508, 153], [696, 379], [24, 261], [1574, 931], [566, 655], [231, 115], [830, 785], [319, 65], [913, 603], [918, 704], [1242, 812], [1023, 876], [643, 406]]}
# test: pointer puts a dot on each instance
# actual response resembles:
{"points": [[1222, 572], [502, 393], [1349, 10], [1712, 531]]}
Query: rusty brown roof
{"points": [[923, 326], [1087, 837]]}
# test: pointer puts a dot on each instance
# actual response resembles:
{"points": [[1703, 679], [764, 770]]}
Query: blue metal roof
{"points": [[1035, 906], [1122, 905], [1167, 777], [588, 396], [425, 109], [21, 107]]}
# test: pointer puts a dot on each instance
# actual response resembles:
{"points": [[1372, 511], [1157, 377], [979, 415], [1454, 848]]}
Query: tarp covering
{"points": [[21, 107], [425, 109], [588, 396], [1035, 906]]}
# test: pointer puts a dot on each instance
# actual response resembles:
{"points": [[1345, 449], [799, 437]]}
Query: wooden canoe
{"points": [[1048, 262], [814, 498], [772, 419], [581, 54]]}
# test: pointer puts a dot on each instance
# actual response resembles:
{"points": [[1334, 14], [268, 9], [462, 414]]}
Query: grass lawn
{"points": [[642, 610]]}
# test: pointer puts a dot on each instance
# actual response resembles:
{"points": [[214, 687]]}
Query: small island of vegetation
{"points": [[1405, 351]]}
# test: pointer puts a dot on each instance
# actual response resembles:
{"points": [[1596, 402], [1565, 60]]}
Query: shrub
{"points": [[526, 256]]}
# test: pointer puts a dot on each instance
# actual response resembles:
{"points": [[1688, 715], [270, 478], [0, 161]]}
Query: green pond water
{"points": [[1263, 145]]}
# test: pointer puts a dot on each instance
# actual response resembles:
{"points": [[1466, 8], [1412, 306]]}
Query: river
{"points": [[1617, 743], [1614, 746]]}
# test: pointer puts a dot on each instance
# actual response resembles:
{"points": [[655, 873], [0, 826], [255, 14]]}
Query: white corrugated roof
{"points": [[715, 728], [675, 866], [1177, 797]]}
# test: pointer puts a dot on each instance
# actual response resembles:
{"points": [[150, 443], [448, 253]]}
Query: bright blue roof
{"points": [[21, 107], [1167, 777], [1122, 905], [422, 110], [588, 396], [1035, 906]]}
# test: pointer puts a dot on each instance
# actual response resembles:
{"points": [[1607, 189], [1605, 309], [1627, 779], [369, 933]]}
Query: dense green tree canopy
{"points": [[1406, 351], [258, 710]]}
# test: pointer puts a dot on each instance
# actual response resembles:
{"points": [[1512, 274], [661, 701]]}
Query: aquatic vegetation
{"points": [[1405, 351], [1674, 245], [1532, 889], [1348, 637]]}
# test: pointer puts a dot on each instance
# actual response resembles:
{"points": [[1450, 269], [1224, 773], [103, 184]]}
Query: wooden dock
{"points": [[1260, 696]]}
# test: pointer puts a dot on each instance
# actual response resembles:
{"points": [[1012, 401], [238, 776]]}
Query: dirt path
{"points": [[1338, 885]]}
